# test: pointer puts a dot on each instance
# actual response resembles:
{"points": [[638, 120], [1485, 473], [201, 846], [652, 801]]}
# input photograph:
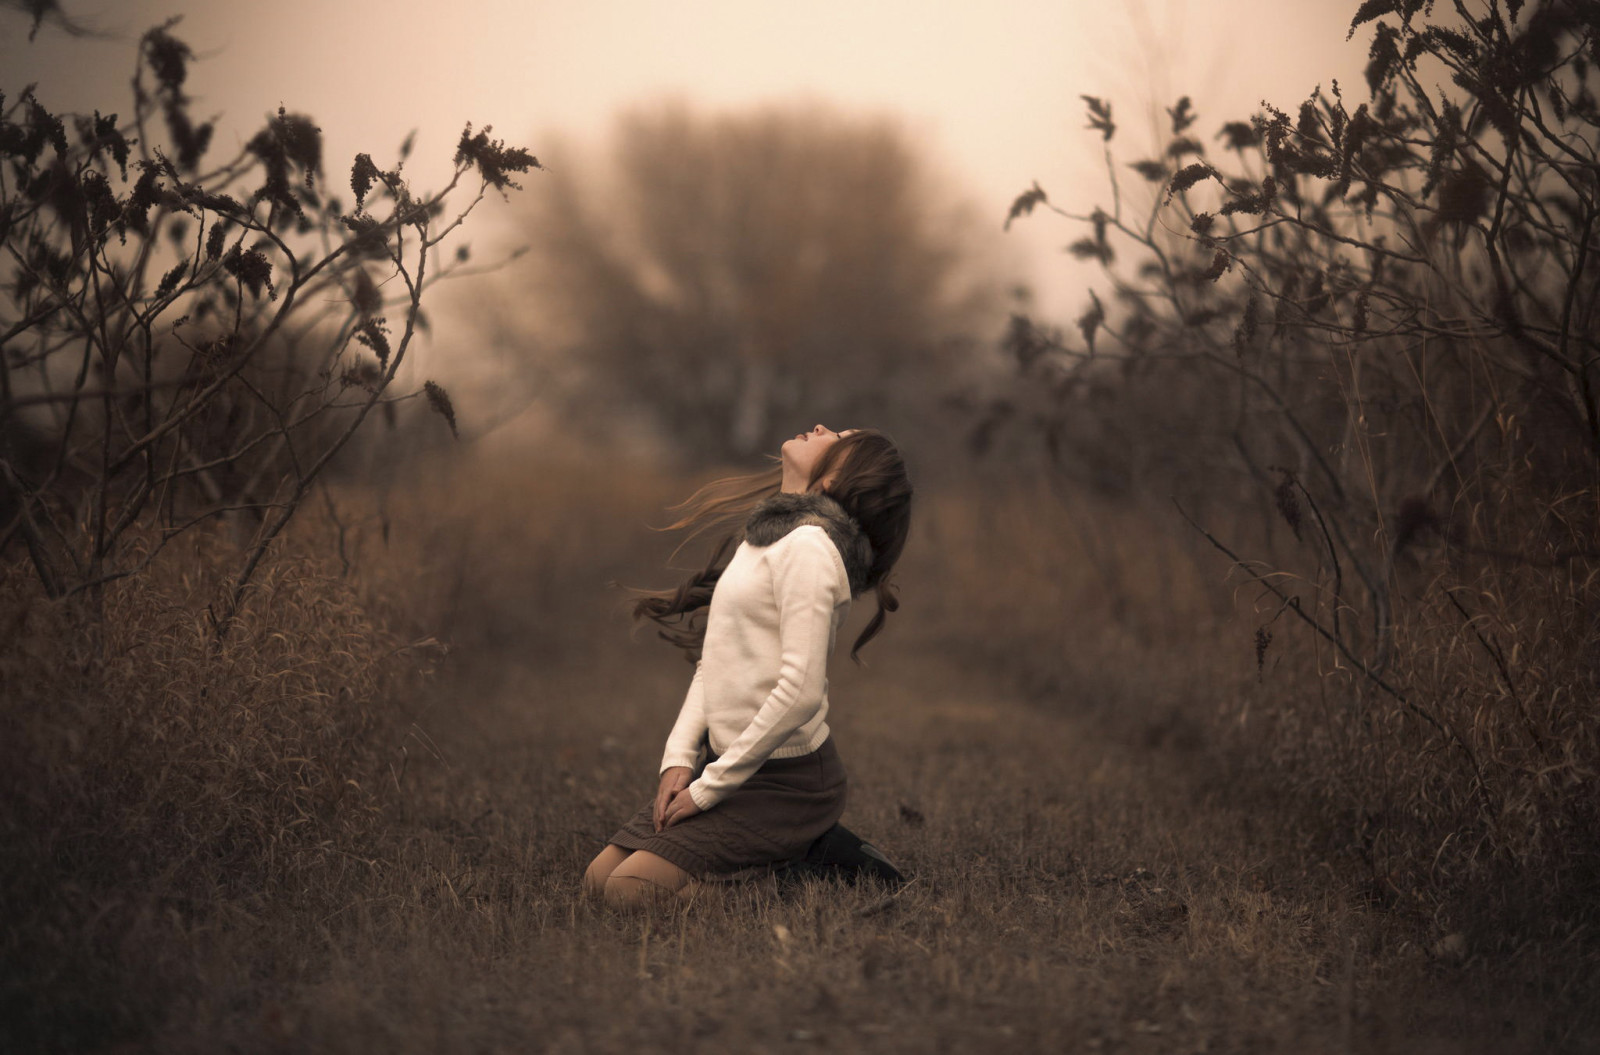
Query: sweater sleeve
{"points": [[683, 743], [808, 582]]}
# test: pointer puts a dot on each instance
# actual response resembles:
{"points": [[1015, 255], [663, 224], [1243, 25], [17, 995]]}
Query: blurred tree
{"points": [[741, 276]]}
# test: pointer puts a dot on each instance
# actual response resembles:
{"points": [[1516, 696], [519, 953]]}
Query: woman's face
{"points": [[800, 455]]}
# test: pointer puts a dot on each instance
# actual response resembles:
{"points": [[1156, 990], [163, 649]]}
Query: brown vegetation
{"points": [[156, 784], [185, 340], [1105, 850], [1374, 323]]}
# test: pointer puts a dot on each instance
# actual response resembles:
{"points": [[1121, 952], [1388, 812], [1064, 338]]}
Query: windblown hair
{"points": [[869, 482]]}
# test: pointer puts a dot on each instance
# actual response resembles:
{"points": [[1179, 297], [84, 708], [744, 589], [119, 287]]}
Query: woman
{"points": [[822, 529]]}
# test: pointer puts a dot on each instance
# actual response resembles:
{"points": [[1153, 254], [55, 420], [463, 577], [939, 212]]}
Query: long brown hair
{"points": [[869, 481]]}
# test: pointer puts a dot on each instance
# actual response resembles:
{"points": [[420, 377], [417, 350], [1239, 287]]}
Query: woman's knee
{"points": [[645, 879], [600, 869], [627, 892]]}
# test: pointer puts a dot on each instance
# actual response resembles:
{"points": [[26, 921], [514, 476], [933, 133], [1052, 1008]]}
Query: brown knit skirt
{"points": [[772, 818]]}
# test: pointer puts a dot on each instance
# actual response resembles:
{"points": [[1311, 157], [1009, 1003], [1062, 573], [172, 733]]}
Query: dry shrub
{"points": [[166, 801], [152, 778], [1424, 419], [1469, 806], [1071, 592], [1492, 813], [1465, 795], [516, 543]]}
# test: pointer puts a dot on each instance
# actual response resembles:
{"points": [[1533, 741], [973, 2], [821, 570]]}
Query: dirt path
{"points": [[1070, 894]]}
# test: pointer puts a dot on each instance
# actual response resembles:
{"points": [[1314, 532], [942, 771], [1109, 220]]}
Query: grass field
{"points": [[1090, 872], [1070, 892]]}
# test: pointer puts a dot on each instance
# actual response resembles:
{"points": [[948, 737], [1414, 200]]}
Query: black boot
{"points": [[841, 854]]}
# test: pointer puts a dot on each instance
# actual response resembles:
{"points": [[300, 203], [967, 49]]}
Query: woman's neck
{"points": [[795, 482]]}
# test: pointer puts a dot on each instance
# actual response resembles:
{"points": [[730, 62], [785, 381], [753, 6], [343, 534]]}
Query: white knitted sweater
{"points": [[761, 686]]}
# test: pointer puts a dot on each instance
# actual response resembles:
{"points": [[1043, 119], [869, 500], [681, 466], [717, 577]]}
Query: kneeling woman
{"points": [[824, 528]]}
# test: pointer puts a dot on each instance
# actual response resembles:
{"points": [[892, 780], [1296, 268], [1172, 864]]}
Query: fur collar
{"points": [[780, 514]]}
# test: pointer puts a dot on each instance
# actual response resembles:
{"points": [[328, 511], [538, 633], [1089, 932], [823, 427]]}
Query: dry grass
{"points": [[152, 781], [1102, 861], [1467, 810], [1067, 896], [1468, 804]]}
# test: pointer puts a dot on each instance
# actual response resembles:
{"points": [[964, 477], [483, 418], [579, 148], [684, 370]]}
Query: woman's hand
{"points": [[681, 808], [673, 780]]}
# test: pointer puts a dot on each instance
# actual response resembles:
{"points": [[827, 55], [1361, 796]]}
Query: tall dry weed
{"points": [[1467, 805], [1374, 317], [152, 778]]}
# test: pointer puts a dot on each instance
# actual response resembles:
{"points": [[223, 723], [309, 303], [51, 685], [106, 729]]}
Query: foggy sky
{"points": [[993, 88]]}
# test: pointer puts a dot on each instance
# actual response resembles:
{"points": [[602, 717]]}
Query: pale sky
{"points": [[992, 87]]}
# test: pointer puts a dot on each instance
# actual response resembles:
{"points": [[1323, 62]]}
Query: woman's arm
{"points": [[808, 583], [683, 743]]}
